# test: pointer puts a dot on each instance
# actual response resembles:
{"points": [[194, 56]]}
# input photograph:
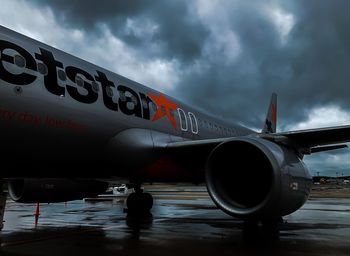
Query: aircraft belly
{"points": [[167, 169]]}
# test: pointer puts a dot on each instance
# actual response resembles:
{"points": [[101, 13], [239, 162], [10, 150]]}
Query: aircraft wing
{"points": [[308, 141], [318, 137]]}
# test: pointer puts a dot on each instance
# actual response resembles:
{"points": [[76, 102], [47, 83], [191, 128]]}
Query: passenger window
{"points": [[194, 124], [183, 119], [79, 81], [62, 75], [42, 68], [20, 61], [233, 132], [200, 122], [144, 104], [109, 91], [121, 95], [154, 106], [133, 99], [95, 87]]}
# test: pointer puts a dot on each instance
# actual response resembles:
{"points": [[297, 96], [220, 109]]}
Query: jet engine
{"points": [[53, 190], [251, 177]]}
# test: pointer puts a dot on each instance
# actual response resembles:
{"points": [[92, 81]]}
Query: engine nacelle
{"points": [[53, 190], [252, 177]]}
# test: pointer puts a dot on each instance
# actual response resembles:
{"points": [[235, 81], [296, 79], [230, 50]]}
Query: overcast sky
{"points": [[226, 57]]}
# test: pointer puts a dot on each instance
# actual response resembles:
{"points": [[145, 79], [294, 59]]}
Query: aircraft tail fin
{"points": [[271, 118]]}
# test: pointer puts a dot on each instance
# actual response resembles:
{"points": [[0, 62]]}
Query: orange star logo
{"points": [[164, 108]]}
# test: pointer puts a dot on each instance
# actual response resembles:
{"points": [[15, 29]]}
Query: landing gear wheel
{"points": [[139, 203]]}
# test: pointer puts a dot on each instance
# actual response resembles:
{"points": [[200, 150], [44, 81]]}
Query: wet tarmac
{"points": [[185, 223]]}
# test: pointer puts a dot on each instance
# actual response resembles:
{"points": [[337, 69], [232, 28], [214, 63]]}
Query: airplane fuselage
{"points": [[60, 114]]}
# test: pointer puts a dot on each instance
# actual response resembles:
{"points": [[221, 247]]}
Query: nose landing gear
{"points": [[139, 203]]}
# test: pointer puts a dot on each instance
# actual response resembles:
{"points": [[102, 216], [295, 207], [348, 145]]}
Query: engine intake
{"points": [[251, 177], [53, 190]]}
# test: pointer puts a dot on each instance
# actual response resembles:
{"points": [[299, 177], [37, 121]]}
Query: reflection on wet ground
{"points": [[179, 225]]}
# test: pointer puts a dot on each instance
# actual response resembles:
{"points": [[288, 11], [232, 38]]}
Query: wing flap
{"points": [[327, 148], [318, 137]]}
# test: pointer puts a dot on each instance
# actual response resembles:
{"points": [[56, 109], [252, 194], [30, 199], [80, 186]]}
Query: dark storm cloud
{"points": [[318, 54], [311, 69], [178, 35], [239, 89]]}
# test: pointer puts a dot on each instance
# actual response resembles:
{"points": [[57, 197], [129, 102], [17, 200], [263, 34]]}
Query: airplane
{"points": [[68, 128]]}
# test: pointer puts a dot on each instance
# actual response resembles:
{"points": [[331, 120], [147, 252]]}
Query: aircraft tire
{"points": [[139, 203]]}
